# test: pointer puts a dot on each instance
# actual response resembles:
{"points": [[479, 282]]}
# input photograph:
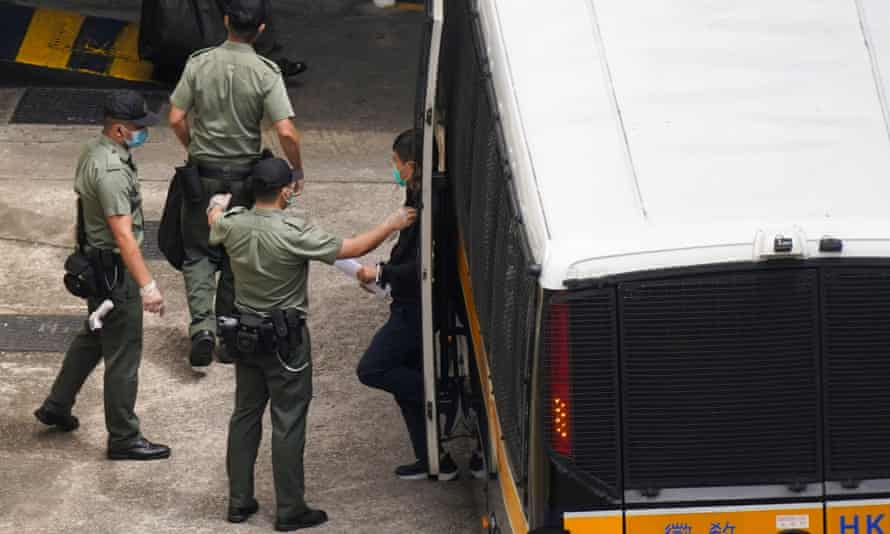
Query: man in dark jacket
{"points": [[394, 361]]}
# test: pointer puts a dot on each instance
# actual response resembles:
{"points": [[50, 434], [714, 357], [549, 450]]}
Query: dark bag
{"points": [[170, 30], [190, 183], [170, 230], [81, 278]]}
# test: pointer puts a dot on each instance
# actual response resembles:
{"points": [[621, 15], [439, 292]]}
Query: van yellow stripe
{"points": [[512, 503], [126, 64], [50, 38], [408, 6]]}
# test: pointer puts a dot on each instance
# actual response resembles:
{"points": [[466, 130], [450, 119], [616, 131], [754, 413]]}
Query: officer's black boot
{"points": [[140, 450], [240, 515], [203, 344], [307, 519], [64, 422], [291, 68]]}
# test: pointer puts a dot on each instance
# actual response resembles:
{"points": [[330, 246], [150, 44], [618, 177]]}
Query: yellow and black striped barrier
{"points": [[57, 39]]}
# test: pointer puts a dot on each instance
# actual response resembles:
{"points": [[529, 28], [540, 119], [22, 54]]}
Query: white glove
{"points": [[401, 219], [152, 300], [219, 200]]}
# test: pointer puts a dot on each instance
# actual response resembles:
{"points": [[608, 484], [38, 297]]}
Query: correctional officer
{"points": [[225, 91], [270, 253], [107, 185]]}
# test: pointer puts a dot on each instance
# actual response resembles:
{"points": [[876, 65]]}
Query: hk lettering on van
{"points": [[871, 524]]}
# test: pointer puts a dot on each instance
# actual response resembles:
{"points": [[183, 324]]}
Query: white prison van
{"points": [[657, 261]]}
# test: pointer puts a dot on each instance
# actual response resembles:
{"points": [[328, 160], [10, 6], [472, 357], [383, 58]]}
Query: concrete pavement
{"points": [[356, 97]]}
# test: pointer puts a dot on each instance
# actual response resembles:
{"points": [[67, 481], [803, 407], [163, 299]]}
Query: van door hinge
{"points": [[429, 116], [429, 410]]}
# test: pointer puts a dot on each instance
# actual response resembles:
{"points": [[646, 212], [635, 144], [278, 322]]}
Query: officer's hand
{"points": [[367, 275], [220, 200], [401, 219], [152, 300], [298, 187]]}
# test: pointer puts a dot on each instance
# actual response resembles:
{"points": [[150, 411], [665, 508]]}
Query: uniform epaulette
{"points": [[295, 222], [113, 161], [271, 64], [235, 211]]}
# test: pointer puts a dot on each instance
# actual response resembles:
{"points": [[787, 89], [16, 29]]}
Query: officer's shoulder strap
{"points": [[271, 64], [108, 159], [235, 211], [295, 222]]}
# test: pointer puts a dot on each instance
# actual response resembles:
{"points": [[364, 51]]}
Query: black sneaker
{"points": [[419, 470], [65, 423], [203, 344], [447, 468], [240, 515], [477, 466], [309, 518], [416, 471]]}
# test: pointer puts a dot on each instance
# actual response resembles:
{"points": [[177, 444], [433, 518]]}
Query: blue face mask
{"points": [[397, 176], [138, 138]]}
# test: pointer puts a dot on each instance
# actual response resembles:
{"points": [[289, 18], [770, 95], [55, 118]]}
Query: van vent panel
{"points": [[856, 345], [720, 380]]}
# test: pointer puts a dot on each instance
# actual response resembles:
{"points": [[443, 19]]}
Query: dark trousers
{"points": [[206, 299], [119, 345], [260, 378], [394, 363]]}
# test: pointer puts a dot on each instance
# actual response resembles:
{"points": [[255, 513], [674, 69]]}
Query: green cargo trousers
{"points": [[259, 378], [203, 261], [119, 345]]}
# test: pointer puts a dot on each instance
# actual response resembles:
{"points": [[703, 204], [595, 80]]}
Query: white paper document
{"points": [[350, 267]]}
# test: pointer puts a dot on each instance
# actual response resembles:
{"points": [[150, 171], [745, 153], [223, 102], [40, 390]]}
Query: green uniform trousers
{"points": [[119, 345], [259, 378], [203, 261]]}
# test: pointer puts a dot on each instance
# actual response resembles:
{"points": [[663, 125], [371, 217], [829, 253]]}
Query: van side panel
{"points": [[729, 520]]}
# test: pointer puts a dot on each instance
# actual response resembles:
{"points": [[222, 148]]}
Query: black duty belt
{"points": [[277, 331], [229, 172]]}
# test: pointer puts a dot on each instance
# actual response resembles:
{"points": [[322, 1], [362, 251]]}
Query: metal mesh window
{"points": [[488, 189], [490, 226]]}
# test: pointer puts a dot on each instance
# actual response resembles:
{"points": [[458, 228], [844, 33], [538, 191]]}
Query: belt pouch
{"points": [[80, 277], [279, 321], [248, 336], [294, 327], [227, 330]]}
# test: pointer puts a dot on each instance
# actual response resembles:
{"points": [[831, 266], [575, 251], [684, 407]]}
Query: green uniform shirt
{"points": [[227, 90], [269, 252], [107, 184]]}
